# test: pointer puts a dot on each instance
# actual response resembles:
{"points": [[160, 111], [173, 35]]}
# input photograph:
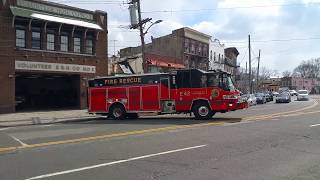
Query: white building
{"points": [[216, 55]]}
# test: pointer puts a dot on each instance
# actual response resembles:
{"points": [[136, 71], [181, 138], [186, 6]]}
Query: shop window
{"points": [[36, 40], [77, 44], [89, 45], [64, 43], [50, 41], [20, 38]]}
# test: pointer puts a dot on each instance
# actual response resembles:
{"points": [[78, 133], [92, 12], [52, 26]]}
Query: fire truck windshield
{"points": [[220, 80]]}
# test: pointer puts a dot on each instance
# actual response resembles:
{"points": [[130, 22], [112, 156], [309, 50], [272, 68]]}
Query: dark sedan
{"points": [[284, 97], [261, 98]]}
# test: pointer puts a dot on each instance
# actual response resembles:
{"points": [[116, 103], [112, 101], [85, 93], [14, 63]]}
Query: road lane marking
{"points": [[114, 162], [3, 129], [145, 131], [315, 103], [106, 136], [18, 140], [314, 125]]}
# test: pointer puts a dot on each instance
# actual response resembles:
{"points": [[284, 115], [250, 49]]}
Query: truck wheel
{"points": [[202, 110], [117, 112]]}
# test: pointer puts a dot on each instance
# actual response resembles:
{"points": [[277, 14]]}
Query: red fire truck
{"points": [[184, 91]]}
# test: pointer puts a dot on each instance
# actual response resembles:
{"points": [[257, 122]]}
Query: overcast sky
{"points": [[286, 31]]}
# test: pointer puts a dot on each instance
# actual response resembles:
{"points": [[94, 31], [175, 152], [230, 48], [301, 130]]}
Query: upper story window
{"points": [[214, 56], [64, 43], [199, 49], [50, 41], [89, 45], [20, 38], [192, 47], [77, 44], [36, 39], [205, 49], [211, 55], [186, 45]]}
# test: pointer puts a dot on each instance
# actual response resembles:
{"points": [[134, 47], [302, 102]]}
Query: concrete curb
{"points": [[38, 121]]}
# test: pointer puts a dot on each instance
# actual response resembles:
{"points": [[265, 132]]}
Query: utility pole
{"points": [[114, 47], [246, 67], [258, 68], [144, 64], [250, 78]]}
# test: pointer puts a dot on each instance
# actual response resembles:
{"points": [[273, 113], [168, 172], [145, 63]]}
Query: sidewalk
{"points": [[43, 117]]}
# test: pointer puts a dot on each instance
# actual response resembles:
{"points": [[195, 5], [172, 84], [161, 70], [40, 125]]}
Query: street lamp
{"points": [[142, 34], [157, 22]]}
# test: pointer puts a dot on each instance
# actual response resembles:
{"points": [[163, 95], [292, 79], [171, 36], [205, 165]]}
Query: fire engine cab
{"points": [[183, 91]]}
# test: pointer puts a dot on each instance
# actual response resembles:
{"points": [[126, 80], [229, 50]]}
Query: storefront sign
{"points": [[54, 10], [42, 66]]}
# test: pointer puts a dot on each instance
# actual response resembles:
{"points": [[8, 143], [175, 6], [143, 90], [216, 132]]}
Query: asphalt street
{"points": [[270, 141]]}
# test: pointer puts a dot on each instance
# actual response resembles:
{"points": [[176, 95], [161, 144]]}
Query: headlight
{"points": [[230, 97]]}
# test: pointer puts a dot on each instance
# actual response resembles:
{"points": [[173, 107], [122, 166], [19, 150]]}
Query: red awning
{"points": [[163, 61]]}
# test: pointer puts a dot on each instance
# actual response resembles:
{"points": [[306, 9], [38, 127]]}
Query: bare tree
{"points": [[286, 74], [309, 69]]}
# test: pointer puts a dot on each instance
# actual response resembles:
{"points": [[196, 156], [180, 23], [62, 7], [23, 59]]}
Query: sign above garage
{"points": [[57, 67]]}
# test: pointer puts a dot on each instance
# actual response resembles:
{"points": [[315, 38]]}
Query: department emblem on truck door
{"points": [[215, 93]]}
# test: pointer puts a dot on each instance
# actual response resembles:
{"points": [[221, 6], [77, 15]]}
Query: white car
{"points": [[303, 95], [251, 99], [293, 92]]}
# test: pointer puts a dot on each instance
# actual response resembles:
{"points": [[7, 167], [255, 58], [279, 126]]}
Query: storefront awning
{"points": [[22, 12]]}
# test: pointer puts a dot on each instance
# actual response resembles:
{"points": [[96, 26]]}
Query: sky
{"points": [[286, 31]]}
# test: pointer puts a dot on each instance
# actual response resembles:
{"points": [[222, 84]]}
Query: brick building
{"points": [[230, 61], [47, 53], [183, 48], [298, 83]]}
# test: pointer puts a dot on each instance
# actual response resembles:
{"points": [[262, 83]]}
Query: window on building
{"points": [[89, 45], [50, 41], [20, 38], [64, 43], [192, 48], [35, 40], [222, 60], [205, 49], [214, 56], [200, 50], [77, 44], [186, 45], [211, 55], [219, 59]]}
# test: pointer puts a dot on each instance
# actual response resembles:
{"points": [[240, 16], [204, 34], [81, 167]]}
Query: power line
{"points": [[231, 8]]}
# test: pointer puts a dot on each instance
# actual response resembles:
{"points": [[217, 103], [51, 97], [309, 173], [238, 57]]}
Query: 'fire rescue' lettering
{"points": [[122, 81]]}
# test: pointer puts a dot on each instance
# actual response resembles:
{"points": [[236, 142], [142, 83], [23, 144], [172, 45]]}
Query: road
{"points": [[271, 141]]}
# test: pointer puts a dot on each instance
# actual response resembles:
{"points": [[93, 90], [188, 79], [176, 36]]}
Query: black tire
{"points": [[117, 111], [132, 115], [202, 110]]}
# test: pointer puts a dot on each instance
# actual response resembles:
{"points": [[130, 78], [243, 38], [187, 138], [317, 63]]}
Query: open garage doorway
{"points": [[37, 91]]}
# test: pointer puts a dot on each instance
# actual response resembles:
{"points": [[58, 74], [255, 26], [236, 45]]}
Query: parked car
{"points": [[275, 94], [261, 98], [284, 97], [269, 96], [251, 99], [303, 95], [293, 92]]}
